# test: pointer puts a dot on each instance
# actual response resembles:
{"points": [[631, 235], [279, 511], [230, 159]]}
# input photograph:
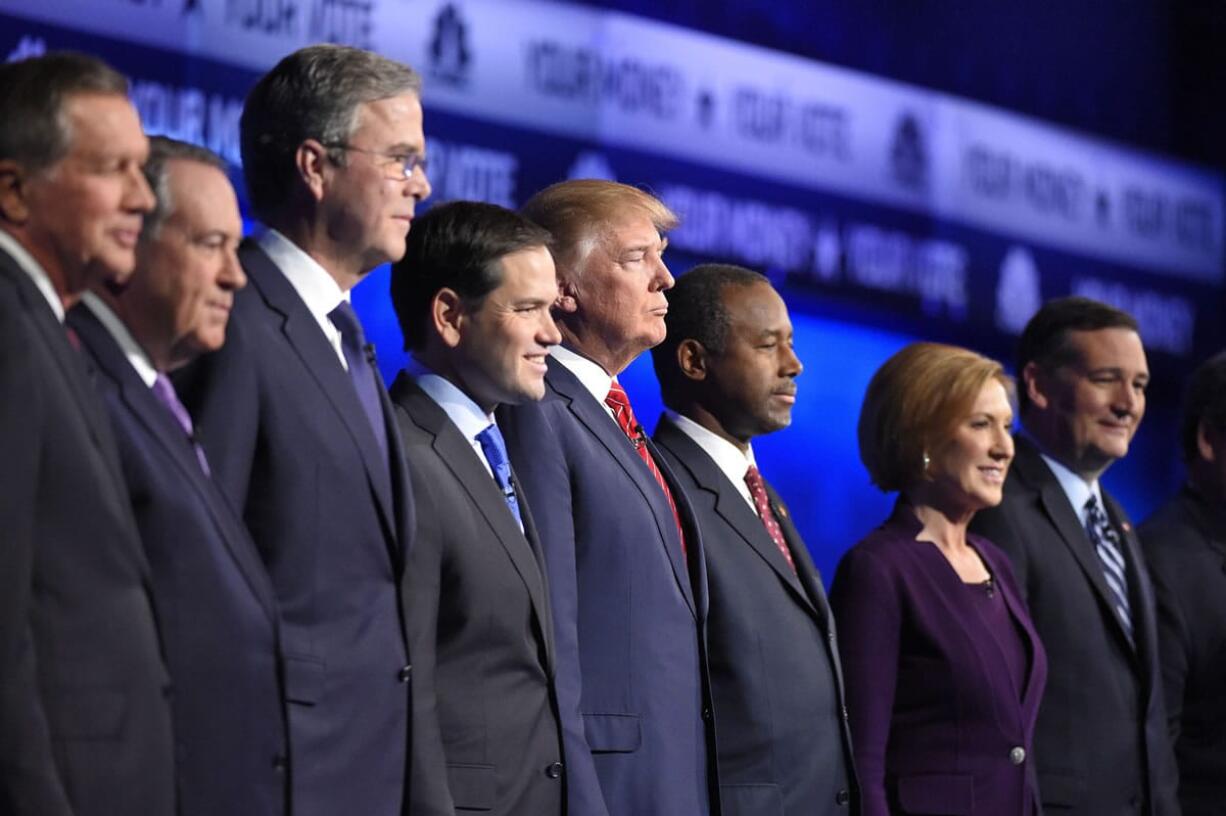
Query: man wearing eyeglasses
{"points": [[295, 420]]}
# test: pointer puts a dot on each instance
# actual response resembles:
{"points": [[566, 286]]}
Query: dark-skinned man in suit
{"points": [[623, 553], [1101, 744], [728, 372], [296, 422], [84, 716], [473, 296], [216, 610], [1185, 546]]}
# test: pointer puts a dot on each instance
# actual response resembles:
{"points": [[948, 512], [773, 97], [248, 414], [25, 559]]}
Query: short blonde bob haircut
{"points": [[913, 404], [579, 212]]}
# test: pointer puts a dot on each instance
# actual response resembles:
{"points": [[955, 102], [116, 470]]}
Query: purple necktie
{"points": [[165, 392], [359, 355]]}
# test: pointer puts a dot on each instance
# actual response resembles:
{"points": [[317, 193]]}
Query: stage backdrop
{"points": [[884, 212]]}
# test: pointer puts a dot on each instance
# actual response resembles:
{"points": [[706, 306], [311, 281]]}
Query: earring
{"points": [[927, 461]]}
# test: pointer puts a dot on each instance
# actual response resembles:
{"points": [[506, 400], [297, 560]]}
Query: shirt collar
{"points": [[1076, 488], [458, 406], [318, 290], [727, 456], [594, 378], [36, 272], [131, 349]]}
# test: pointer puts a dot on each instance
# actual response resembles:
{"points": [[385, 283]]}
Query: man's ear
{"points": [[1206, 439], [567, 300], [1036, 383], [13, 180], [692, 359], [311, 161], [447, 315]]}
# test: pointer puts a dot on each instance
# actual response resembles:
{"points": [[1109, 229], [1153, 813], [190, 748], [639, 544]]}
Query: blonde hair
{"points": [[913, 404], [579, 212]]}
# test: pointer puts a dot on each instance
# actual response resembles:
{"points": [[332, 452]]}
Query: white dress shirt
{"points": [[589, 373], [318, 290], [458, 406], [1076, 488], [727, 456], [36, 272], [127, 343]]}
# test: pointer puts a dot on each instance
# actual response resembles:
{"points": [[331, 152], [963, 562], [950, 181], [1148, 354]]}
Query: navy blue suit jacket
{"points": [[216, 611], [939, 722], [1102, 736], [84, 719], [776, 683], [629, 609], [289, 443]]}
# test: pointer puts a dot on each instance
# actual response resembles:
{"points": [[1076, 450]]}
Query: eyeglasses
{"points": [[397, 166]]}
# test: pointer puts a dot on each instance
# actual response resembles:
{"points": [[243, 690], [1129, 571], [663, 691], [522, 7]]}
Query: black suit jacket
{"points": [[216, 610], [290, 445], [776, 683], [1186, 548], [629, 609], [1101, 740], [478, 606], [84, 719]]}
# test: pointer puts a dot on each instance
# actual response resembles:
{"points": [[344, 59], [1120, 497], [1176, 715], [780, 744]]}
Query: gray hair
{"points": [[33, 92], [163, 150], [314, 93]]}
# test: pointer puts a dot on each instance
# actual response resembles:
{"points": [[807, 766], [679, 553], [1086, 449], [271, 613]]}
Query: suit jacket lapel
{"points": [[534, 541], [590, 414], [139, 401], [320, 359], [1064, 518], [459, 457]]}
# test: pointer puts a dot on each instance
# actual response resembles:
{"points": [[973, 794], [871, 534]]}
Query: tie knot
{"points": [[617, 397], [494, 446], [346, 321], [753, 477]]}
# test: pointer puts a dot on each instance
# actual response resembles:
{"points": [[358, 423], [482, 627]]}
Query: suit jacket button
{"points": [[404, 674], [842, 798], [554, 771], [279, 763], [1018, 755]]}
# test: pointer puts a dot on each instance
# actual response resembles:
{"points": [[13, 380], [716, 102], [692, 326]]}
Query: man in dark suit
{"points": [[473, 294], [216, 610], [1185, 545], [1101, 740], [624, 558], [296, 422], [728, 374], [84, 720]]}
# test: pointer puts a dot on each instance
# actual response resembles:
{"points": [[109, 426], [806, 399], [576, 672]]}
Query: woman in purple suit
{"points": [[943, 669]]}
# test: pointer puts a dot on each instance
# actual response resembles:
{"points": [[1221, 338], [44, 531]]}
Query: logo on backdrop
{"points": [[1018, 294], [449, 54], [909, 154]]}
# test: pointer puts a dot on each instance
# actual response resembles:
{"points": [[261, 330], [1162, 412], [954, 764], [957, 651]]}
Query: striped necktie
{"points": [[1106, 543]]}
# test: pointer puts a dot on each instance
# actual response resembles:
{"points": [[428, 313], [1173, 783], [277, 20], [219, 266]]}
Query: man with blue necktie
{"points": [[473, 296], [1101, 744]]}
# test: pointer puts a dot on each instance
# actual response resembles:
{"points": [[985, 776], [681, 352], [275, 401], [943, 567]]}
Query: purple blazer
{"points": [[938, 723]]}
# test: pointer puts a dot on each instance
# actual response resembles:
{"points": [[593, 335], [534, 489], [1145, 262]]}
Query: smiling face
{"points": [[367, 205], [503, 343], [752, 382], [967, 472], [1086, 411], [619, 294], [86, 210], [179, 300]]}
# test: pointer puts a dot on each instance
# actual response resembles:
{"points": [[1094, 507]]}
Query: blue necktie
{"points": [[360, 356], [495, 450], [164, 390], [1106, 543]]}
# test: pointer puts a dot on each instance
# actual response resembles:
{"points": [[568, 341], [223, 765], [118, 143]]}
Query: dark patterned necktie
{"points": [[1106, 543], [757, 489], [361, 372], [619, 403]]}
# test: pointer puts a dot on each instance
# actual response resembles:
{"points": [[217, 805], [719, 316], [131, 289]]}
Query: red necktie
{"points": [[757, 489], [620, 404]]}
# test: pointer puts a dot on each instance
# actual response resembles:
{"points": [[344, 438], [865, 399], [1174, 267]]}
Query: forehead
{"points": [[632, 230], [394, 120], [202, 197], [755, 308], [992, 399], [1108, 348], [105, 124], [528, 273]]}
